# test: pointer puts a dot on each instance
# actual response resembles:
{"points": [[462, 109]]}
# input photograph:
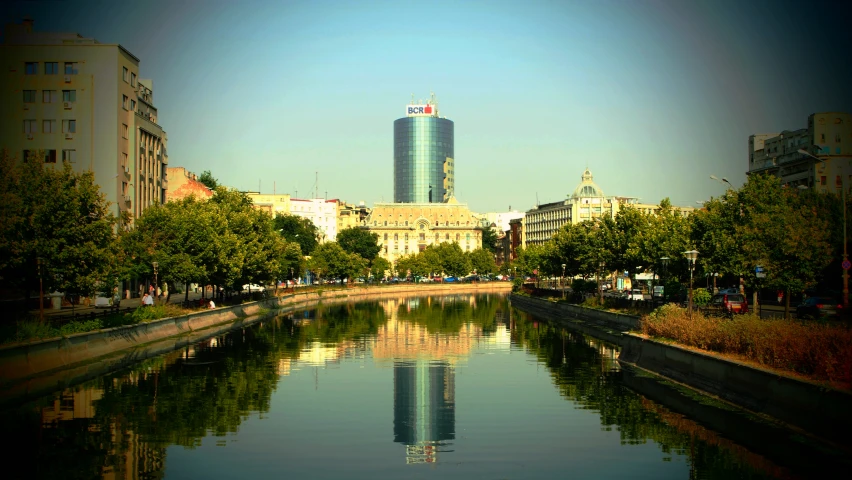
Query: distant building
{"points": [[423, 164], [271, 203], [351, 216], [587, 202], [182, 184], [828, 137], [406, 228], [322, 212], [517, 238], [500, 220], [81, 101]]}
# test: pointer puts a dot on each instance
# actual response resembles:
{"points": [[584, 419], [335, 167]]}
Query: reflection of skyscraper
{"points": [[424, 407]]}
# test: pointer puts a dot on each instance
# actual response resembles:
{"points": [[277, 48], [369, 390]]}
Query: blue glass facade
{"points": [[421, 147]]}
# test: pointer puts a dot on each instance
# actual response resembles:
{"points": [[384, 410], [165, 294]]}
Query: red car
{"points": [[726, 305]]}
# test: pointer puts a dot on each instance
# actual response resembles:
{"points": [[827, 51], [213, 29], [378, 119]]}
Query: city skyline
{"points": [[653, 97]]}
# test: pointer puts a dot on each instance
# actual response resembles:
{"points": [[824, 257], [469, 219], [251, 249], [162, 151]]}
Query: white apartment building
{"points": [[501, 219], [322, 212], [81, 101]]}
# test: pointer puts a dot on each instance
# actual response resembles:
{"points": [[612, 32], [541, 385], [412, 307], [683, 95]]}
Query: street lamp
{"points": [[40, 292], [721, 180], [155, 265], [691, 256], [845, 272], [563, 280]]}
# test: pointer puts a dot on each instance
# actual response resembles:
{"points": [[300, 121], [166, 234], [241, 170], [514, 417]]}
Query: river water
{"points": [[435, 387]]}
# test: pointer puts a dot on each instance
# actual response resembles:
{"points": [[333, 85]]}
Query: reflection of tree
{"points": [[448, 314], [587, 378], [337, 323]]}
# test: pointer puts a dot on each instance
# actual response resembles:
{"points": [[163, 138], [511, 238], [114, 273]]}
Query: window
{"points": [[124, 102], [124, 73], [386, 237], [133, 105], [50, 156], [69, 156], [69, 95], [27, 154], [69, 126], [48, 126], [29, 126], [29, 96], [422, 237], [48, 96], [51, 68], [822, 180], [839, 182], [71, 68], [132, 79], [124, 132], [30, 68], [837, 138], [124, 160], [821, 137]]}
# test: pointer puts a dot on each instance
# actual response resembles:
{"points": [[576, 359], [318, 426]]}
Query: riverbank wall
{"points": [[46, 365], [809, 406]]}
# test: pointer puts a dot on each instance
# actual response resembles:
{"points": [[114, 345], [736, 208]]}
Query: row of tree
{"points": [[794, 234]]}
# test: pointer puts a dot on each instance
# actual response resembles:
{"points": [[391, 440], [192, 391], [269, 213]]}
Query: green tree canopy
{"points": [[207, 179], [482, 261], [60, 217], [360, 241], [297, 229], [489, 239]]}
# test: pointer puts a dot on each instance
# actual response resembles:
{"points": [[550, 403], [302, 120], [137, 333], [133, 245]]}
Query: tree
{"points": [[453, 260], [297, 229], [60, 217], [331, 261], [489, 239], [207, 179], [380, 267], [482, 261], [360, 241]]}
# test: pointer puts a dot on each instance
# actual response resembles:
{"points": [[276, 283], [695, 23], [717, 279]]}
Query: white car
{"points": [[636, 294]]}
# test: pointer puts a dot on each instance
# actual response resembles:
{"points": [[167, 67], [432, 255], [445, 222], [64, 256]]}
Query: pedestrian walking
{"points": [[780, 296]]}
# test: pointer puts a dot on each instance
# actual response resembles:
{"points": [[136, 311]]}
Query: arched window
{"points": [[386, 237], [386, 223], [395, 237], [458, 237], [406, 237]]}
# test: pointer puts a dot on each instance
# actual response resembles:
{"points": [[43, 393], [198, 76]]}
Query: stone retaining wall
{"points": [[23, 361], [817, 409]]}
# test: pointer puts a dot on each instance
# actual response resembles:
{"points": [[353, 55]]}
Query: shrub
{"points": [[821, 351], [701, 297]]}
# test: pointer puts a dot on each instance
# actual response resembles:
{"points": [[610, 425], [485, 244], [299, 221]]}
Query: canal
{"points": [[447, 387]]}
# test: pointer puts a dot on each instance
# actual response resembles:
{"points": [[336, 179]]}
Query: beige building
{"points": [[274, 204], [406, 228], [587, 202], [82, 101], [351, 216], [182, 184], [828, 137]]}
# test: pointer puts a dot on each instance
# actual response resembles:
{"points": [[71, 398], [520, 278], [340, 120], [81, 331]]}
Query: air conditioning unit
{"points": [[67, 78], [29, 136], [26, 106], [126, 169], [67, 105], [127, 198], [69, 136]]}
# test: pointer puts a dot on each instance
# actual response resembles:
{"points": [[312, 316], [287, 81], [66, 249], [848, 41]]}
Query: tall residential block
{"points": [[828, 163], [81, 101], [423, 164]]}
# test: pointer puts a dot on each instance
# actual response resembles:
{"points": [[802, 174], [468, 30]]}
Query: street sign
{"points": [[760, 275], [846, 264], [758, 269]]}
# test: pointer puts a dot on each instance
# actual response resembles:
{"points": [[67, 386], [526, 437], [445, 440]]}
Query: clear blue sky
{"points": [[654, 96]]}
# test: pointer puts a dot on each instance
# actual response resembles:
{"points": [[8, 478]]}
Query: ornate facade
{"points": [[406, 228]]}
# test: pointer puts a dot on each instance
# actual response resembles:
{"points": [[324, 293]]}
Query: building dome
{"points": [[587, 187]]}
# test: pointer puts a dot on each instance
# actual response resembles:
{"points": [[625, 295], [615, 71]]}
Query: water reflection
{"points": [[137, 422]]}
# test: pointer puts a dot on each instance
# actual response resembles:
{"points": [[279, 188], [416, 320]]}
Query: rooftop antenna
{"points": [[412, 99], [316, 184], [536, 199]]}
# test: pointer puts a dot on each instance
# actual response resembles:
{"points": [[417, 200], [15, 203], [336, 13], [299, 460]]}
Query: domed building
{"points": [[587, 202]]}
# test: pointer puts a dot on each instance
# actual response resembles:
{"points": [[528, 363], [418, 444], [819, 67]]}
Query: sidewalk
{"points": [[125, 303]]}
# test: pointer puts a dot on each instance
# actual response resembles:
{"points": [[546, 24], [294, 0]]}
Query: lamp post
{"points": [[563, 281], [721, 180], [665, 261], [691, 255], [155, 265], [845, 272], [40, 292]]}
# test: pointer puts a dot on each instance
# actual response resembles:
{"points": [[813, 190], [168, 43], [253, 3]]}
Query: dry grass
{"points": [[819, 351]]}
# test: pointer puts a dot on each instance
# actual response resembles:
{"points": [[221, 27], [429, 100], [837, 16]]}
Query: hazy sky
{"points": [[652, 96]]}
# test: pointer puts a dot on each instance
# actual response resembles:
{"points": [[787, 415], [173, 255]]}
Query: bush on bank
{"points": [[27, 330], [821, 351]]}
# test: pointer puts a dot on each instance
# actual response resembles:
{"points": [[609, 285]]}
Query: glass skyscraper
{"points": [[423, 165]]}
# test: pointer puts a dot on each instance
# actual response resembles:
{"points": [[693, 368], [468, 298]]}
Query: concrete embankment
{"points": [[45, 365], [815, 408]]}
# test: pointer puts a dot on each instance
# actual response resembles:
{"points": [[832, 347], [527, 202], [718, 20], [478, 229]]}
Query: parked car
{"points": [[636, 294], [726, 305], [819, 307]]}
